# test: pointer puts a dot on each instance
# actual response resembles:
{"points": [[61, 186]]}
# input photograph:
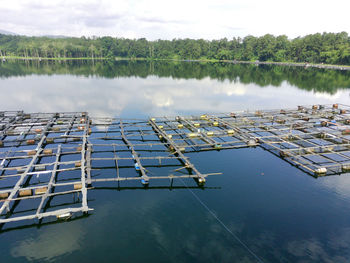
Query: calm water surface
{"points": [[277, 211]]}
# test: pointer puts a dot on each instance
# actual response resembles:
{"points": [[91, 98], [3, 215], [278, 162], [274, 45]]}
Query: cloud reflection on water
{"points": [[131, 97], [339, 185], [51, 242]]}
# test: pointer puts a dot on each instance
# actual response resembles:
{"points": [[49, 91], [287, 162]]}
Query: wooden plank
{"points": [[88, 164], [85, 207], [46, 214], [144, 176], [114, 179], [116, 161], [50, 184]]}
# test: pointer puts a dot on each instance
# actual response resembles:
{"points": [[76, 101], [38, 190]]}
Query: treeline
{"points": [[329, 48], [320, 80]]}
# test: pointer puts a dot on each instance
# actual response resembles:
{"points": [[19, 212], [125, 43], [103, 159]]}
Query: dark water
{"points": [[278, 213]]}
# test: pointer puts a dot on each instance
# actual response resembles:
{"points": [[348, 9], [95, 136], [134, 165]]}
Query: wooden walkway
{"points": [[46, 158]]}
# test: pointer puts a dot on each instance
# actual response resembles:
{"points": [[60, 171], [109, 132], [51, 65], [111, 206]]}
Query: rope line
{"points": [[222, 223]]}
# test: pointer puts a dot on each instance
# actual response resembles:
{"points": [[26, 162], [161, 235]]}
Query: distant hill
{"points": [[4, 32], [55, 36]]}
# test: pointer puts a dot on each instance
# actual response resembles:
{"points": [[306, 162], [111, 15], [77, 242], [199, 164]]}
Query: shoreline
{"points": [[46, 59], [296, 64], [288, 64]]}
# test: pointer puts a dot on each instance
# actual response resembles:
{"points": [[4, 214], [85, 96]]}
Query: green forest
{"points": [[328, 48]]}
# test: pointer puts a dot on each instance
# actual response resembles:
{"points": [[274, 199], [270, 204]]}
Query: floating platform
{"points": [[45, 158]]}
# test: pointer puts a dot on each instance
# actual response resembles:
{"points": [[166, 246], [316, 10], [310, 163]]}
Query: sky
{"points": [[161, 19]]}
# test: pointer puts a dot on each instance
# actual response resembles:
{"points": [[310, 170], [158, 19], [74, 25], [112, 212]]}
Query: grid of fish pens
{"points": [[42, 165], [48, 161], [200, 133], [131, 150], [314, 138]]}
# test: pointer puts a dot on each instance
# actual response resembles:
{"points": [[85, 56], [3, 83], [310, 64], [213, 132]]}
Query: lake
{"points": [[261, 209]]}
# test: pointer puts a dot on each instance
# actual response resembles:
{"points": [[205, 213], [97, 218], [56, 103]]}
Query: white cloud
{"points": [[155, 19]]}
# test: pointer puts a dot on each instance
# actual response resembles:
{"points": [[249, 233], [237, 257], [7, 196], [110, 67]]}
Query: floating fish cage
{"points": [[48, 161], [46, 158], [38, 157]]}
